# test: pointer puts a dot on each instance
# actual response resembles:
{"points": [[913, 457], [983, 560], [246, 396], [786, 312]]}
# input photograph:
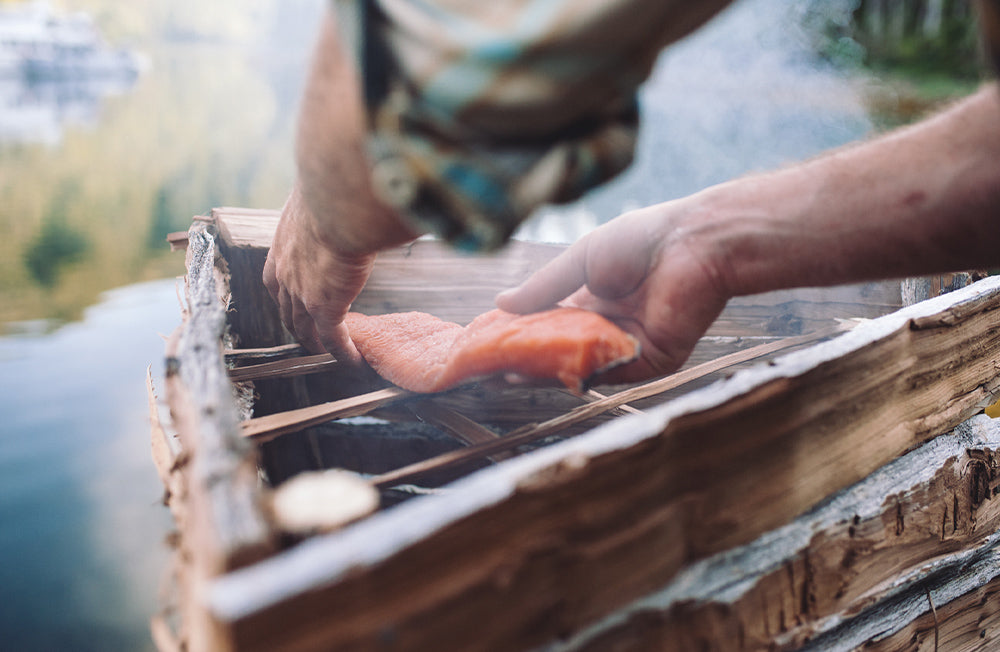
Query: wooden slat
{"points": [[429, 276], [857, 568], [215, 498], [465, 429], [178, 240], [265, 428], [164, 456], [222, 486], [263, 353], [308, 364], [592, 395]]}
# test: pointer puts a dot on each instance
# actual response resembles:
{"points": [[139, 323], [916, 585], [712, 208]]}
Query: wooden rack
{"points": [[811, 478]]}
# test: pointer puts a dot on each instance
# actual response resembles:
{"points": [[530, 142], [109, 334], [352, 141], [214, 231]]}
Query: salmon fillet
{"points": [[422, 353]]}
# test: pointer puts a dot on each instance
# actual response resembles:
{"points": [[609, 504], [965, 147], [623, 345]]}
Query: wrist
{"points": [[354, 229], [752, 235]]}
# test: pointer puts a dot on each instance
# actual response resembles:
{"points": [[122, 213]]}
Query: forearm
{"points": [[334, 171], [921, 200]]}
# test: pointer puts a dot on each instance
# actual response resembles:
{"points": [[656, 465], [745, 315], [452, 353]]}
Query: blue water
{"points": [[82, 524]]}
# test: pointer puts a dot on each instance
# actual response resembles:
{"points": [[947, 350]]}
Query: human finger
{"points": [[337, 341], [270, 277], [304, 328], [559, 278]]}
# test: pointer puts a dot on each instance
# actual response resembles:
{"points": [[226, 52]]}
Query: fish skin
{"points": [[422, 353]]}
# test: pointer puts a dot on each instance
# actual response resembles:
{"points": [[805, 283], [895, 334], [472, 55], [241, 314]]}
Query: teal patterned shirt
{"points": [[481, 111]]}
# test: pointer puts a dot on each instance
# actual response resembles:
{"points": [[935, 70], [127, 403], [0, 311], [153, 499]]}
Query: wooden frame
{"points": [[827, 487]]}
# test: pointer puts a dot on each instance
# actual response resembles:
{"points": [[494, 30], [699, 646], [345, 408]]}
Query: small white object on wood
{"points": [[322, 501]]}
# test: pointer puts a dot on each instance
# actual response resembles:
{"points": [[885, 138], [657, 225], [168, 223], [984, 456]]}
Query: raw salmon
{"points": [[422, 353]]}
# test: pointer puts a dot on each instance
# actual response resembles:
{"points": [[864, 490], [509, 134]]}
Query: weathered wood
{"points": [[236, 356], [222, 526], [426, 275], [274, 425], [178, 240], [568, 534], [288, 368], [462, 427], [162, 446], [254, 323], [223, 474], [251, 313], [840, 575], [580, 541]]}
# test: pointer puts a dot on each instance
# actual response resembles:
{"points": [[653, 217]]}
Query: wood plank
{"points": [[236, 356], [223, 477], [254, 323], [214, 489], [568, 534], [162, 446], [462, 427], [837, 576], [426, 275], [431, 277], [288, 368], [266, 428], [178, 240]]}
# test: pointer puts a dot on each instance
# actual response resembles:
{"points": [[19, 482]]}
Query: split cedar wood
{"points": [[837, 496]]}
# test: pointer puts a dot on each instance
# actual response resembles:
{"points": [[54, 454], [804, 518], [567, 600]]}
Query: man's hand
{"points": [[312, 282], [921, 200], [642, 271], [332, 224]]}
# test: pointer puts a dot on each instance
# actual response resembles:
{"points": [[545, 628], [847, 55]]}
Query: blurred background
{"points": [[120, 121]]}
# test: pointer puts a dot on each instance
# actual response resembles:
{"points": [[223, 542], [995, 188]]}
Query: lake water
{"points": [[93, 179]]}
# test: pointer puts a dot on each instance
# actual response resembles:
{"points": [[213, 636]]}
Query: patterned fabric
{"points": [[479, 111]]}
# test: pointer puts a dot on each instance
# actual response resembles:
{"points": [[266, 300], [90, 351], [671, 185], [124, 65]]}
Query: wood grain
{"points": [[274, 425], [215, 496], [287, 368], [857, 567], [223, 477]]}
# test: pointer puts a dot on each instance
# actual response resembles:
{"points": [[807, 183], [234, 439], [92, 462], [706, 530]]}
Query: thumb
{"points": [[558, 279]]}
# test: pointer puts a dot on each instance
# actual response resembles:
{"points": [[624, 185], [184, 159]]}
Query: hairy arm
{"points": [[919, 200], [332, 224]]}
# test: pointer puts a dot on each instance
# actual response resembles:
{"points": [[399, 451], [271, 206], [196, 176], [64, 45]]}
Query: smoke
{"points": [[748, 92]]}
